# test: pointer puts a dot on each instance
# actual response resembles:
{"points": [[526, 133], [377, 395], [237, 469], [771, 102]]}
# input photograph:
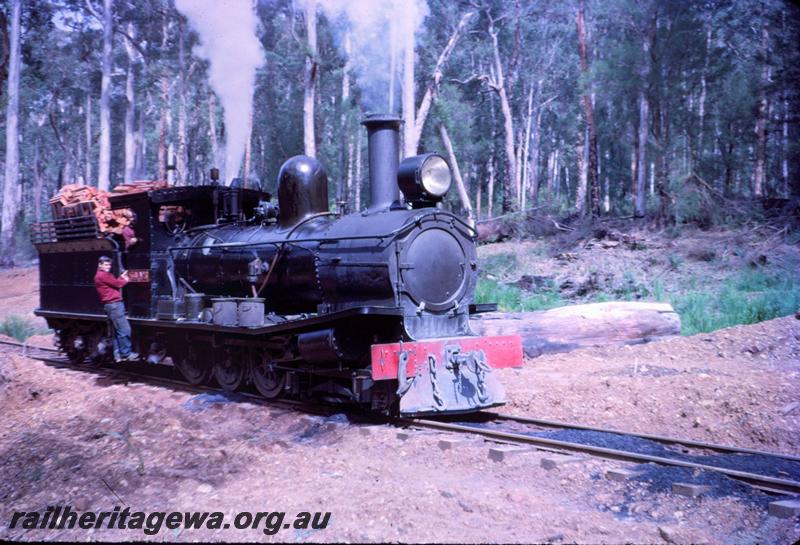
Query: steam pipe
{"points": [[383, 134]]}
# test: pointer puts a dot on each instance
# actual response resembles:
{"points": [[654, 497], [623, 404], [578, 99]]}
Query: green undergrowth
{"points": [[513, 299], [746, 297], [19, 328]]}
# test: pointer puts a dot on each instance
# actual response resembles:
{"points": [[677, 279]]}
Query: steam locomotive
{"points": [[369, 308]]}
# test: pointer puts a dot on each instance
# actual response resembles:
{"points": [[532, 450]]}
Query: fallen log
{"points": [[579, 326]]}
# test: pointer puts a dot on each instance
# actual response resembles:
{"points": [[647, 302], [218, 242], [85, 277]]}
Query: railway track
{"points": [[494, 426], [159, 375]]}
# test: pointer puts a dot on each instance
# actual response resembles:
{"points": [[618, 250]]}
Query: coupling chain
{"points": [[437, 396], [481, 368]]}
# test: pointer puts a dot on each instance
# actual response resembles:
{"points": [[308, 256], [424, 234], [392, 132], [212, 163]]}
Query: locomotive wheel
{"points": [[195, 369], [74, 344], [101, 350], [268, 380], [228, 369]]}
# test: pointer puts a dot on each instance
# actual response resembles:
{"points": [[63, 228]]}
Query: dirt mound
{"points": [[734, 386]]}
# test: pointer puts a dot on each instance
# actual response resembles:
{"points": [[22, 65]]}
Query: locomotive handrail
{"points": [[390, 234], [295, 240]]}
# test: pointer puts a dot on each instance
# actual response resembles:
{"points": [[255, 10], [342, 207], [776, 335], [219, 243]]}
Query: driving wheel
{"points": [[268, 379], [228, 369], [194, 368]]}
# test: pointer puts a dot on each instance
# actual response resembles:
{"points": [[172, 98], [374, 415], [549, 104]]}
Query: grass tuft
{"points": [[18, 327]]}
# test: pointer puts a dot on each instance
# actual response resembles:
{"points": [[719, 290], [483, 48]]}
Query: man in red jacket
{"points": [[109, 289]]}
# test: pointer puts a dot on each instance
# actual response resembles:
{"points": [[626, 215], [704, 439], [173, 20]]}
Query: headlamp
{"points": [[424, 178]]}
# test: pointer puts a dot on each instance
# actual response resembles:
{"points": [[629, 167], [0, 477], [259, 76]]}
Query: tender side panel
{"points": [[500, 351], [66, 275]]}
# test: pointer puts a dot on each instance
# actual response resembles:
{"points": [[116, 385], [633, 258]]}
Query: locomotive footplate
{"points": [[446, 375]]}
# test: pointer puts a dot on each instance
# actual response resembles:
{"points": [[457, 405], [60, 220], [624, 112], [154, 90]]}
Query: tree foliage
{"points": [[712, 74]]}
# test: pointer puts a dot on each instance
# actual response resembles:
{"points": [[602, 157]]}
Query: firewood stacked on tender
{"points": [[74, 200], [139, 186]]}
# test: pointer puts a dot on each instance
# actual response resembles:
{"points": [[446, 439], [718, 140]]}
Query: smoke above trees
{"points": [[227, 31], [377, 32]]}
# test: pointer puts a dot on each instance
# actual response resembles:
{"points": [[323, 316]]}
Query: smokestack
{"points": [[383, 133]]}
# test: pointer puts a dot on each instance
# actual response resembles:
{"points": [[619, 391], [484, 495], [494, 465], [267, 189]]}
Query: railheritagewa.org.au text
{"points": [[64, 517]]}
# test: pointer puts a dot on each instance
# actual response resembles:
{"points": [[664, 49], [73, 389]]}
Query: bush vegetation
{"points": [[745, 298], [512, 299], [18, 328]]}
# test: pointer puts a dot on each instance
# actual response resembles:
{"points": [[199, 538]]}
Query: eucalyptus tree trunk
{"points": [[606, 184], [490, 184], [526, 143], [182, 159], [727, 154], [130, 121], [640, 203], [520, 166], [499, 86], [4, 50], [104, 166], [344, 188], [701, 109], [660, 114], [310, 80], [478, 202], [87, 164], [163, 128], [409, 127], [462, 190], [490, 164], [212, 129], [588, 112], [38, 180], [761, 120], [79, 161], [170, 155], [11, 178], [357, 177], [785, 134], [582, 153], [130, 112], [140, 145], [432, 88], [634, 160], [536, 140]]}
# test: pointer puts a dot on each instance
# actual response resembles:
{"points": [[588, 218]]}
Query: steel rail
{"points": [[657, 438], [111, 371], [25, 347], [774, 484]]}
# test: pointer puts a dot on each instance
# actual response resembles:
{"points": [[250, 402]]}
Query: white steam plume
{"points": [[373, 24], [227, 30]]}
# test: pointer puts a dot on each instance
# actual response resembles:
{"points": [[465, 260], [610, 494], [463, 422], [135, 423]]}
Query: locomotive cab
{"points": [[163, 215]]}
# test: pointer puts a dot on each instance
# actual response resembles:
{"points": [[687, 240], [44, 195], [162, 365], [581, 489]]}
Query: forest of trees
{"points": [[597, 107]]}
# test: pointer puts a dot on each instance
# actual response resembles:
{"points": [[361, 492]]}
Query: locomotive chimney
{"points": [[383, 133]]}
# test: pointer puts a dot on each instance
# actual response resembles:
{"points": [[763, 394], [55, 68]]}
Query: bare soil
{"points": [[73, 437]]}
